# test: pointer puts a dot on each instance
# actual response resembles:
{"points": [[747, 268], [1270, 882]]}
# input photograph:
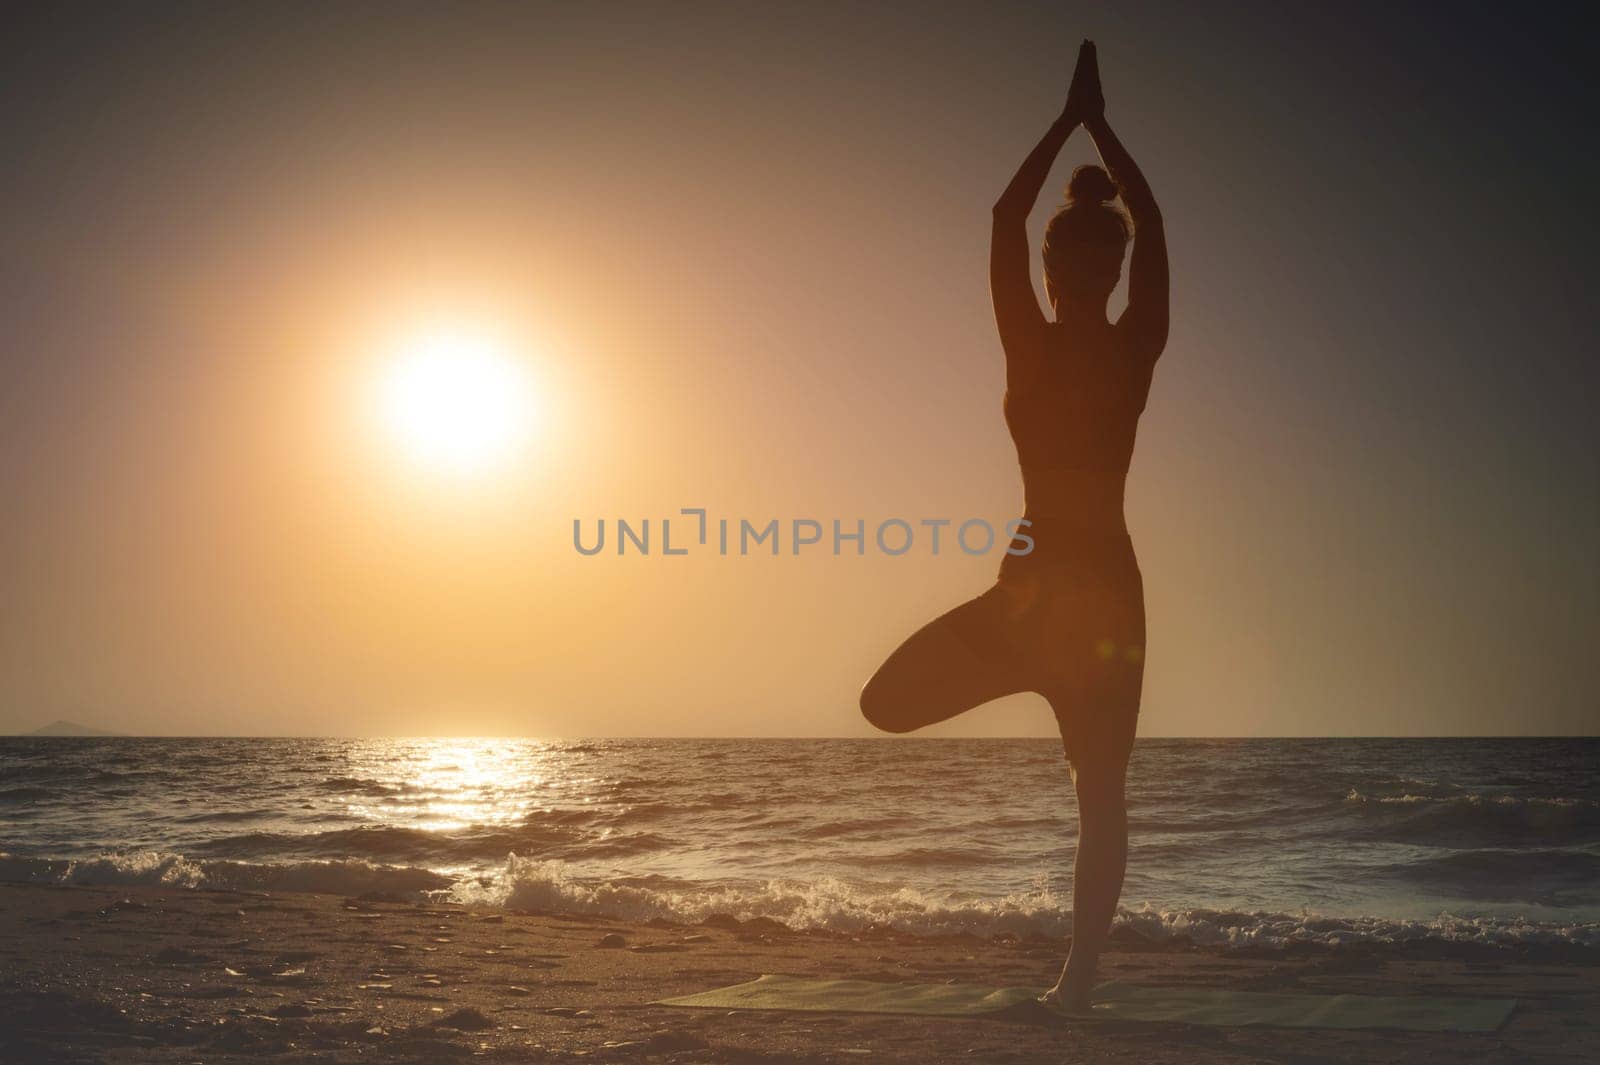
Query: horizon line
{"points": [[111, 735]]}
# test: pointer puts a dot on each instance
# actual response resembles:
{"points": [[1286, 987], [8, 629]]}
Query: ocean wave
{"points": [[143, 867], [932, 857], [831, 904], [159, 868], [387, 843], [1239, 930], [1476, 820], [1554, 876], [1474, 799], [826, 904], [474, 845], [358, 785], [854, 827], [225, 816]]}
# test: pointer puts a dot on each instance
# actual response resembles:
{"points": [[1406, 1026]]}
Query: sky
{"points": [[739, 253]]}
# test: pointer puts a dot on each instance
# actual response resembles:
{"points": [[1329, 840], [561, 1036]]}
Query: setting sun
{"points": [[456, 399]]}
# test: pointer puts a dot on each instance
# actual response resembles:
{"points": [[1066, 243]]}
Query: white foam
{"points": [[1276, 930], [835, 905], [827, 904], [159, 868], [1474, 799]]}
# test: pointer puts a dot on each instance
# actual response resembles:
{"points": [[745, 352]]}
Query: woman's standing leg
{"points": [[1096, 874], [1099, 681]]}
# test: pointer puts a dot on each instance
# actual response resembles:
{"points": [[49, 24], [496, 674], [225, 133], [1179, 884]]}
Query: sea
{"points": [[1236, 843]]}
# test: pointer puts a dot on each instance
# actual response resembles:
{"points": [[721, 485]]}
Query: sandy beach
{"points": [[155, 975]]}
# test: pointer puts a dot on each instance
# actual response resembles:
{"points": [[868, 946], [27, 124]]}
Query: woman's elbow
{"points": [[1146, 217], [1006, 209]]}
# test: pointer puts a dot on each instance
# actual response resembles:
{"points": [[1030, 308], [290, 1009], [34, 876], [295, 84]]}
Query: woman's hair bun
{"points": [[1090, 184]]}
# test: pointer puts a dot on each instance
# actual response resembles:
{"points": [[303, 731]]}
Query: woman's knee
{"points": [[935, 675], [1102, 791], [882, 706]]}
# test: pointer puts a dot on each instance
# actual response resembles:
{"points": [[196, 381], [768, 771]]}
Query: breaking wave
{"points": [[828, 904], [160, 869]]}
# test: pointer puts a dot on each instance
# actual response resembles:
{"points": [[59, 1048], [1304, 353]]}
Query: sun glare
{"points": [[456, 399]]}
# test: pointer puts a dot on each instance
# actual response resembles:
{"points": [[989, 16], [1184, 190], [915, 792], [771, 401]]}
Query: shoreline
{"points": [[127, 973]]}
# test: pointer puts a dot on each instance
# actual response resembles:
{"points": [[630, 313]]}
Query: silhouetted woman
{"points": [[1067, 619]]}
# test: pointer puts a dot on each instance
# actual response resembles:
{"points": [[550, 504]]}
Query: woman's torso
{"points": [[1074, 604], [1073, 400]]}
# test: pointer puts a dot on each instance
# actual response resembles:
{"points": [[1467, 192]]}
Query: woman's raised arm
{"points": [[1016, 305], [1145, 320]]}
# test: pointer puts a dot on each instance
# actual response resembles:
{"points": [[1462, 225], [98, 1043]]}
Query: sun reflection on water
{"points": [[451, 784]]}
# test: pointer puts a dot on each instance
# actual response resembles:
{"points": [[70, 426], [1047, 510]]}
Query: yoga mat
{"points": [[1116, 1002]]}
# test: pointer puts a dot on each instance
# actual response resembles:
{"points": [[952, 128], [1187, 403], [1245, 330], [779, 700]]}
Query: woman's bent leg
{"points": [[957, 661]]}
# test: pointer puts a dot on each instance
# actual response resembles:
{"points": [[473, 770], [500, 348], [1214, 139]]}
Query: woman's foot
{"points": [[1071, 992], [1059, 998]]}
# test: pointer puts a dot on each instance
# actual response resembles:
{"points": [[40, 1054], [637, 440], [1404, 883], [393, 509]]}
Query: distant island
{"points": [[69, 728]]}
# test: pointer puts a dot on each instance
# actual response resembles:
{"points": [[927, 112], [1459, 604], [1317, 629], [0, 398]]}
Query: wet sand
{"points": [[91, 974]]}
